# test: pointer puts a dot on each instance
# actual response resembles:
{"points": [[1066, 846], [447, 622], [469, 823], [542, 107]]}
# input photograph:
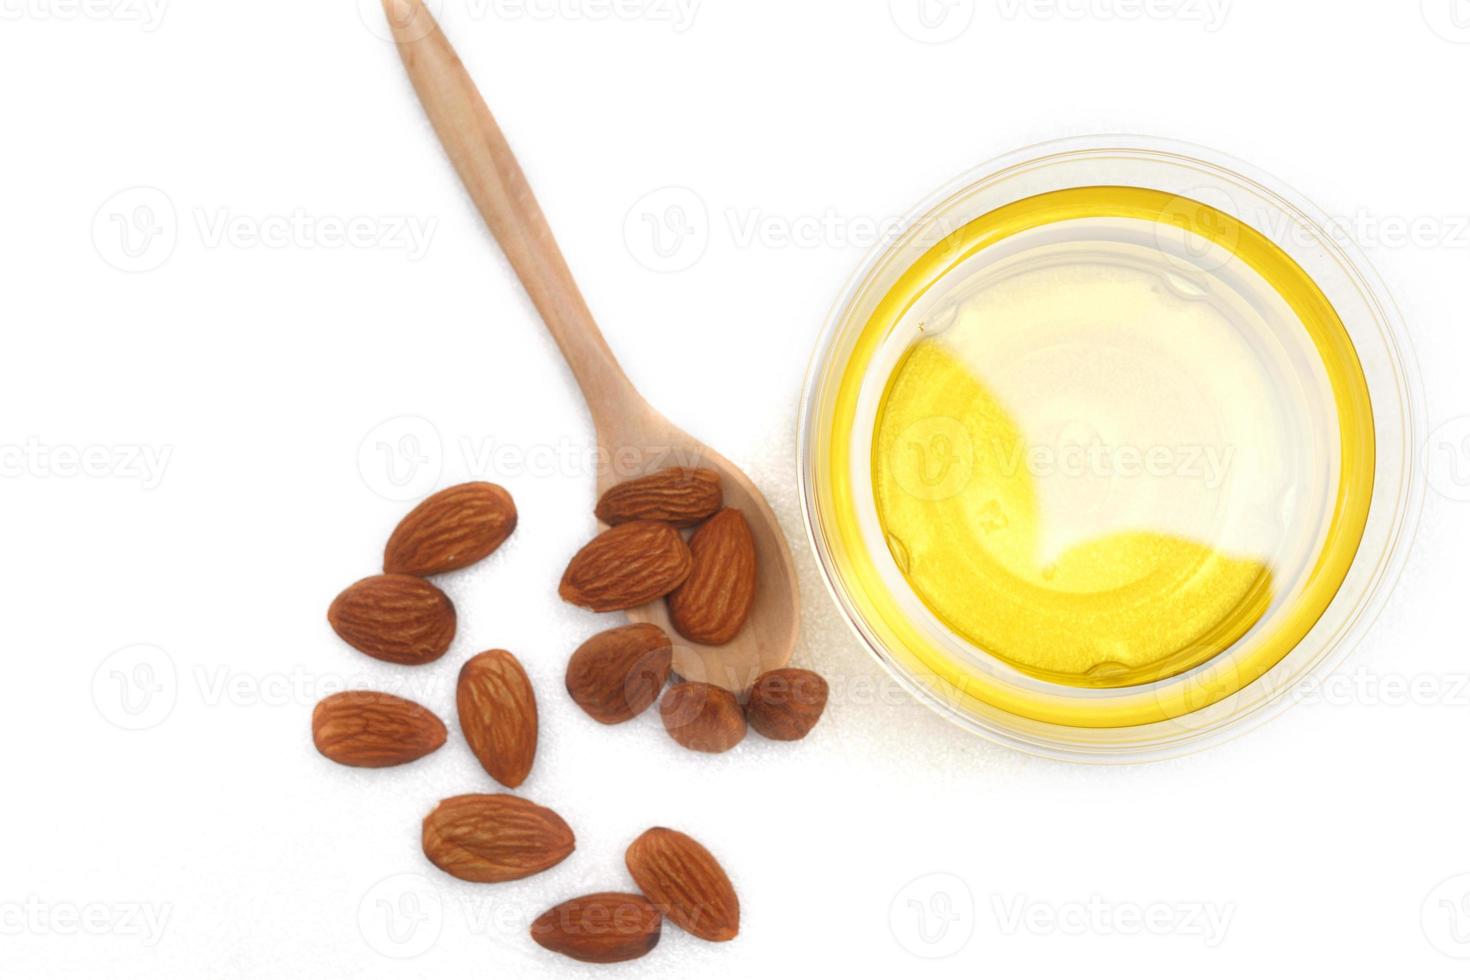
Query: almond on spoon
{"points": [[711, 605], [702, 717], [618, 673]]}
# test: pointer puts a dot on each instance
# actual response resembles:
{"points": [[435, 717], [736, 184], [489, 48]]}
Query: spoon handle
{"points": [[499, 189]]}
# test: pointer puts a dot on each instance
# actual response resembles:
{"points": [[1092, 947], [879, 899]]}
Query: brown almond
{"points": [[702, 717], [495, 837], [626, 566], [785, 704], [678, 495], [372, 730], [685, 883], [397, 618], [453, 528], [608, 927], [497, 712], [711, 605], [618, 673]]}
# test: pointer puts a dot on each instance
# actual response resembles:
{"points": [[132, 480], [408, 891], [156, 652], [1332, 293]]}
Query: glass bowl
{"points": [[1110, 447]]}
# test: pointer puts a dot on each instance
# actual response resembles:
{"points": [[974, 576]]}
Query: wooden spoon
{"points": [[630, 434]]}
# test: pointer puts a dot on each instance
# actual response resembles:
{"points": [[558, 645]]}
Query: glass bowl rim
{"points": [[1409, 407]]}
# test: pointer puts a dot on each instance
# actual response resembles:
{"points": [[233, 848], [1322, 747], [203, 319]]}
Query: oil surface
{"points": [[1072, 526], [961, 536]]}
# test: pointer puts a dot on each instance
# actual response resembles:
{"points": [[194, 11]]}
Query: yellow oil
{"points": [[1112, 316], [962, 516]]}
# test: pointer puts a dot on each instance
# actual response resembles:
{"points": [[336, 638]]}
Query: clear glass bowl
{"points": [[1110, 448]]}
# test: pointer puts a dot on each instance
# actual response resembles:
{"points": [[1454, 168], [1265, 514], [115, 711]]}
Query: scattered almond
{"points": [[685, 883], [495, 837], [614, 676], [626, 566], [618, 673], [679, 496], [453, 528], [711, 605], [608, 927], [398, 618], [369, 729], [497, 712], [702, 717], [785, 704]]}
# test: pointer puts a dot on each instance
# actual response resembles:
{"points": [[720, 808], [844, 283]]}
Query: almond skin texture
{"points": [[679, 496], [495, 837], [618, 673], [685, 883], [497, 712], [372, 730], [785, 704], [702, 717], [711, 605], [626, 566], [451, 529], [397, 618], [608, 927]]}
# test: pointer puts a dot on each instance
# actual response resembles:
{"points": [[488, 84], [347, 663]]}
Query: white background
{"points": [[212, 324]]}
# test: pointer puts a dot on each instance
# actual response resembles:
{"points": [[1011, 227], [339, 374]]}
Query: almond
{"points": [[618, 673], [365, 728], [679, 496], [397, 618], [785, 704], [685, 883], [495, 837], [608, 927], [711, 605], [702, 717], [453, 528], [497, 712], [626, 566]]}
